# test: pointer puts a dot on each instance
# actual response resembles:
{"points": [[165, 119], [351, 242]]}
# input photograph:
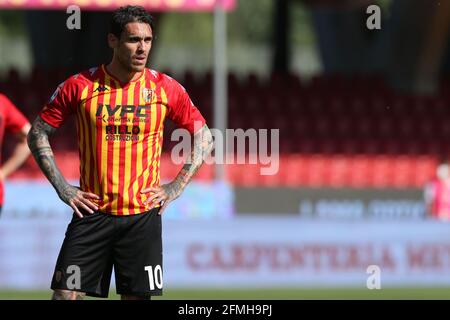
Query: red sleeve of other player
{"points": [[14, 119]]}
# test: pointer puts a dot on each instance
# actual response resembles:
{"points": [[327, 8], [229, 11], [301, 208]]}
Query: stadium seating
{"points": [[334, 131]]}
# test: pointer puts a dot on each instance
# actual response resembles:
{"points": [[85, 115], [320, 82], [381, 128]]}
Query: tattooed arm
{"points": [[43, 154], [201, 148]]}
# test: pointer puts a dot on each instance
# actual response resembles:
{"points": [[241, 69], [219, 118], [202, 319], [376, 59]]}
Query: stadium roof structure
{"points": [[154, 5]]}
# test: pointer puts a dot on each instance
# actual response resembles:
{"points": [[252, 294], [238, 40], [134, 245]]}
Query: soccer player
{"points": [[437, 193], [12, 121], [119, 109]]}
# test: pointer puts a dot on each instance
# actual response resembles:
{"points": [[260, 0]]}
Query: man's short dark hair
{"points": [[128, 14]]}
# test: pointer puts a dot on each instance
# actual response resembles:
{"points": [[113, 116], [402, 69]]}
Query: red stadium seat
{"points": [[315, 105], [344, 126], [378, 106], [339, 171], [405, 127], [399, 107], [440, 107], [336, 106], [307, 146], [322, 127], [425, 170], [364, 127], [301, 129], [386, 127], [270, 180], [294, 108], [425, 129], [294, 170], [383, 171], [334, 131], [412, 147], [442, 127], [273, 106], [371, 147], [250, 174], [350, 146], [419, 107], [318, 171], [205, 173], [403, 171], [358, 107], [233, 174], [432, 147], [280, 122], [360, 172], [391, 147], [327, 146]]}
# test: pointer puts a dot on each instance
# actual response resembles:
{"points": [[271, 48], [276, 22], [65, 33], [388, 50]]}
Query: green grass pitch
{"points": [[268, 293]]}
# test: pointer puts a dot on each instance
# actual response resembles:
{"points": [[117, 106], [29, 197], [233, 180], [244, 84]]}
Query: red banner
{"points": [[152, 5]]}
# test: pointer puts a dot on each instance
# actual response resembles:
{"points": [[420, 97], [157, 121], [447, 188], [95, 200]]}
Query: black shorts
{"points": [[95, 243]]}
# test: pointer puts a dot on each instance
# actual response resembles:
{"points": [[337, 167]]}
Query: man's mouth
{"points": [[141, 58]]}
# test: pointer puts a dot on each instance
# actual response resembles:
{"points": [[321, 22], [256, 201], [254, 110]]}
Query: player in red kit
{"points": [[12, 121]]}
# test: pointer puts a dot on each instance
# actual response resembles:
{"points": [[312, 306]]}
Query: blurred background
{"points": [[361, 99]]}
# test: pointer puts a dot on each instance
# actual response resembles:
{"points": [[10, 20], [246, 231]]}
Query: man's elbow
{"points": [[209, 147], [31, 137], [209, 143]]}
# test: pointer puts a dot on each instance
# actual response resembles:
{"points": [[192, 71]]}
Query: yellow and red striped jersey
{"points": [[120, 130]]}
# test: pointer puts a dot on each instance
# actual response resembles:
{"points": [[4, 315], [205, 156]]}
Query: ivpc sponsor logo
{"points": [[119, 126], [138, 111]]}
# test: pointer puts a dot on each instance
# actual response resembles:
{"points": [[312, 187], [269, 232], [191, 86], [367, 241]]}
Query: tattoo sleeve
{"points": [[43, 154], [201, 148]]}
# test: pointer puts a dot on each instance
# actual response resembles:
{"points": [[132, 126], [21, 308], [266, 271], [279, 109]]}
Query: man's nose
{"points": [[142, 45]]}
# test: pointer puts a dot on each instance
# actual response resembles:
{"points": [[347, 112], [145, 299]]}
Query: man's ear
{"points": [[112, 41]]}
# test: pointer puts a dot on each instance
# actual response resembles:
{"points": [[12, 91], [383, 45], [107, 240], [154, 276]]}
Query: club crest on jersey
{"points": [[147, 94]]}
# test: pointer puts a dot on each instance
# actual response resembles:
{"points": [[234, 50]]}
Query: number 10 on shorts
{"points": [[154, 276]]}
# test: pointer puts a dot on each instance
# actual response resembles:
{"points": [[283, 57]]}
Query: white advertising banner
{"points": [[286, 252], [201, 200], [255, 252]]}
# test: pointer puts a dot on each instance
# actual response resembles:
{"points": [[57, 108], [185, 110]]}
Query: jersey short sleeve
{"points": [[182, 110], [61, 104], [14, 119]]}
